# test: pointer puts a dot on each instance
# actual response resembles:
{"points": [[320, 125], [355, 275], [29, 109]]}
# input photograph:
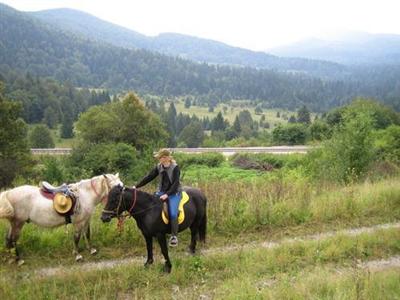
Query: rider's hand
{"points": [[164, 197], [134, 187]]}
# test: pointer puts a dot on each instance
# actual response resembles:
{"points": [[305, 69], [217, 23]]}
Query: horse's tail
{"points": [[6, 209], [203, 224]]}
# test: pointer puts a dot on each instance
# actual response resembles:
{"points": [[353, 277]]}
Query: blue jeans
{"points": [[173, 204]]}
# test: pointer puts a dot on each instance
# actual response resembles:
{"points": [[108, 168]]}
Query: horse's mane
{"points": [[152, 198]]}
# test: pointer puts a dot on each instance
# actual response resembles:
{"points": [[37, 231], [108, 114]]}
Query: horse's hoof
{"points": [[93, 251], [20, 262], [79, 257], [167, 269], [148, 263], [191, 250]]}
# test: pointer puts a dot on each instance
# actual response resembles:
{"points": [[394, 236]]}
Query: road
{"points": [[226, 151]]}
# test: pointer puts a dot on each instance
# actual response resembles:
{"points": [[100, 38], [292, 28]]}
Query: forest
{"points": [[320, 225]]}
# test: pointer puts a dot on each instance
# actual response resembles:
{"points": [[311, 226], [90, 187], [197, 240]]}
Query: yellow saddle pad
{"points": [[181, 212]]}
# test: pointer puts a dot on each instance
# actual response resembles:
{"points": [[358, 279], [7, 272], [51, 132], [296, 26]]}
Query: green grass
{"points": [[261, 208], [241, 211], [232, 112], [230, 275], [61, 142]]}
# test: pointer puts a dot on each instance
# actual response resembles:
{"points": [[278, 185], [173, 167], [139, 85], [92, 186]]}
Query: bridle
{"points": [[122, 217]]}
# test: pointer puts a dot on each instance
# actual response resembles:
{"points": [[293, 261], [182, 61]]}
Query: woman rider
{"points": [[169, 187]]}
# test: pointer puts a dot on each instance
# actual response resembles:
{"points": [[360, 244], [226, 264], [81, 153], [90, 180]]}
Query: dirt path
{"points": [[89, 266]]}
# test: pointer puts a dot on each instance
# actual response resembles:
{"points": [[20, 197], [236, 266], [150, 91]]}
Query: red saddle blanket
{"points": [[47, 195]]}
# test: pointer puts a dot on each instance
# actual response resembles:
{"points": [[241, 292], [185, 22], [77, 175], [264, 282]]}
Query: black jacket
{"points": [[169, 178]]}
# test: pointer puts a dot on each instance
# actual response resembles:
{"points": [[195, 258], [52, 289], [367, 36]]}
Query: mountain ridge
{"points": [[175, 44], [349, 48]]}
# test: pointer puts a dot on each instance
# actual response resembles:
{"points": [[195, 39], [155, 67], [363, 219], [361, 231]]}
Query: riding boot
{"points": [[173, 241]]}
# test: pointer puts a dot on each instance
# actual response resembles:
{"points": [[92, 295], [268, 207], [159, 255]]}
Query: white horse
{"points": [[26, 204]]}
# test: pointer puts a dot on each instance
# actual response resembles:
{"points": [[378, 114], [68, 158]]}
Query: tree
{"points": [[188, 103], [319, 130], [40, 137], [218, 123], [347, 155], [15, 157], [192, 135], [387, 143], [303, 115], [171, 124], [236, 126], [67, 124], [245, 119], [381, 115], [292, 119], [50, 117], [126, 121], [290, 134]]}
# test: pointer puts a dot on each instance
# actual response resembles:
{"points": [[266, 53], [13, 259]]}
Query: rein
{"points": [[123, 217], [97, 194]]}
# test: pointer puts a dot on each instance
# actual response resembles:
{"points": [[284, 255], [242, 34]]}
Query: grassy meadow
{"points": [[245, 209], [232, 110]]}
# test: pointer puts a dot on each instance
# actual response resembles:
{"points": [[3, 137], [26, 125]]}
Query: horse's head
{"points": [[113, 206], [113, 180]]}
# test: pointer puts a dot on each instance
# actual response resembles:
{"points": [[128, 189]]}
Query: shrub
{"points": [[290, 134], [347, 155], [207, 159], [109, 158], [40, 137], [387, 143], [266, 161]]}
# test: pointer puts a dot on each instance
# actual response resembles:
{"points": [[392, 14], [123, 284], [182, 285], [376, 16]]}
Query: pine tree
{"points": [[15, 157], [303, 115], [236, 126], [67, 124], [188, 103], [218, 123]]}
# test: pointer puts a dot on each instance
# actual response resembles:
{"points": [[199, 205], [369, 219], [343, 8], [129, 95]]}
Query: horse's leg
{"points": [[12, 237], [149, 246], [162, 240], [194, 229], [92, 250], [77, 237]]}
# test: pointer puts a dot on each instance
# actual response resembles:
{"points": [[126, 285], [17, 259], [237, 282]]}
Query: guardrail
{"points": [[51, 151], [225, 151]]}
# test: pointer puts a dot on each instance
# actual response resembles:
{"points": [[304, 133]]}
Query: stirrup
{"points": [[173, 241]]}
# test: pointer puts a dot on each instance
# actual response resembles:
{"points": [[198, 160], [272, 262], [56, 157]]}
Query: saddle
{"points": [[54, 189], [181, 212], [63, 199]]}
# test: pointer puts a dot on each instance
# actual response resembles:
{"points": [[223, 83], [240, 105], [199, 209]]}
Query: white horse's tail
{"points": [[6, 209]]}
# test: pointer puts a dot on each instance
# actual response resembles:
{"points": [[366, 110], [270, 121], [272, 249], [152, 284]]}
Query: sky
{"points": [[253, 24]]}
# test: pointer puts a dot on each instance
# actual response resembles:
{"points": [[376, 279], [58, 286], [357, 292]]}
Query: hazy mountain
{"points": [[351, 48], [29, 46], [198, 49], [92, 27]]}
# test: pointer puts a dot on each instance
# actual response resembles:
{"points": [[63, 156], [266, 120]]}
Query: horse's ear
{"points": [[117, 175], [105, 176]]}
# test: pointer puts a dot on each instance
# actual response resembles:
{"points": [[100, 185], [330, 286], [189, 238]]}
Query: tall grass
{"points": [[235, 207], [243, 274]]}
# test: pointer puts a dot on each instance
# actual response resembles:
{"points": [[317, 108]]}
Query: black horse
{"points": [[146, 209]]}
